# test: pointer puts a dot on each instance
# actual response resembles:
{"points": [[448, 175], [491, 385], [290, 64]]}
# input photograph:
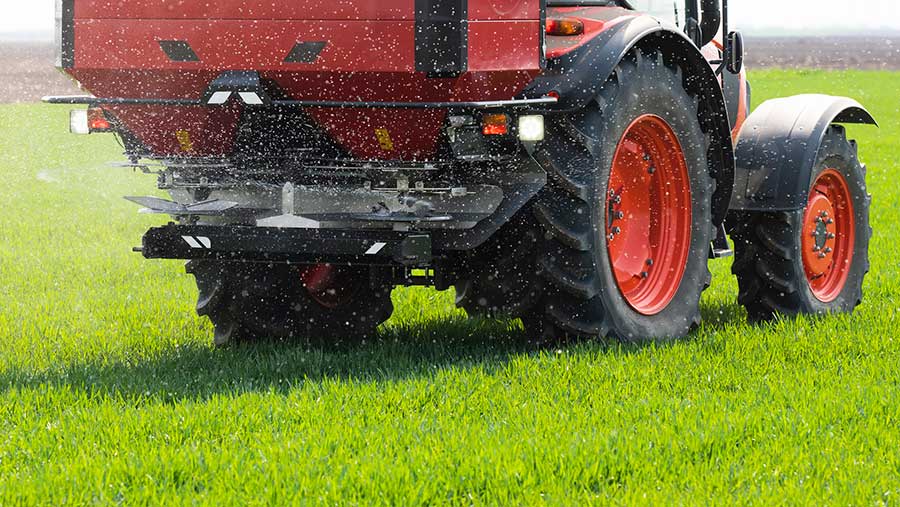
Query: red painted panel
{"points": [[505, 9], [245, 9], [504, 45], [241, 45], [208, 131], [412, 134], [292, 10]]}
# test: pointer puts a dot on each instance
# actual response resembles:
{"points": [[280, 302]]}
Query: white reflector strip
{"points": [[250, 98], [219, 98], [204, 241], [192, 242], [374, 249]]}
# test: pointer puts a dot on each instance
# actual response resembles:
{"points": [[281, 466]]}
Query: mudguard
{"points": [[778, 146], [577, 77]]}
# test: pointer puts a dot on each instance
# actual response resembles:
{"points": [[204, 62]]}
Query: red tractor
{"points": [[571, 163]]}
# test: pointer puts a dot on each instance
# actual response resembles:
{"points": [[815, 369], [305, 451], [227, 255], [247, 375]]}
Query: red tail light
{"points": [[495, 124], [564, 26], [97, 121]]}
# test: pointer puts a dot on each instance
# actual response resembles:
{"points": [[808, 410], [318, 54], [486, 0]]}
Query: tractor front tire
{"points": [[249, 301], [814, 260]]}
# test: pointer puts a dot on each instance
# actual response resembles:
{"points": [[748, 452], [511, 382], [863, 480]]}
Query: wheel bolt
{"points": [[618, 199], [651, 169], [821, 256], [828, 250], [616, 230], [611, 237], [646, 156], [649, 262], [816, 249], [829, 221], [830, 235], [644, 274], [620, 215]]}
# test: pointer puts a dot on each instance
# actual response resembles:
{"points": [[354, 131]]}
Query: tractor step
{"points": [[719, 247]]}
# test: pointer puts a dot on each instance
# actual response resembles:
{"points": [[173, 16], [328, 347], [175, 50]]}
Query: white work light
{"points": [[78, 122], [531, 127]]}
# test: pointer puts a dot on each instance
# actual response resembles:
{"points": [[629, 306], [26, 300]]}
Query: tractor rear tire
{"points": [[597, 283], [248, 301], [814, 260]]}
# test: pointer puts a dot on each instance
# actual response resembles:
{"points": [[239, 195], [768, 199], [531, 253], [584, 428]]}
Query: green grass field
{"points": [[110, 390]]}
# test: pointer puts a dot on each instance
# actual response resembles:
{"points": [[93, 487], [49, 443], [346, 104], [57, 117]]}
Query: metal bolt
{"points": [[616, 230], [646, 156], [829, 221], [821, 256], [825, 214], [649, 262], [828, 250], [830, 235], [618, 199], [644, 274], [620, 214], [816, 249], [651, 169], [612, 193], [611, 237]]}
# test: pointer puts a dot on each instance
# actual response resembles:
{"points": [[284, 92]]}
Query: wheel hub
{"points": [[328, 285], [828, 235], [648, 215]]}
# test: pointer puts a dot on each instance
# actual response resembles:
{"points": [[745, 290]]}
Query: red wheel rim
{"points": [[648, 215], [828, 235], [328, 285]]}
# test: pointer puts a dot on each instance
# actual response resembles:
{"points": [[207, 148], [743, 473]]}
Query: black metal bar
{"points": [[247, 243], [487, 104], [65, 31], [86, 99]]}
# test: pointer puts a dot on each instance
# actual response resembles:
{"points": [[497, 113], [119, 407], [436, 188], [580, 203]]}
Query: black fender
{"points": [[578, 76], [778, 146]]}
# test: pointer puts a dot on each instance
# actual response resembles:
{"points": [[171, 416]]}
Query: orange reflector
{"points": [[97, 121], [494, 124], [564, 26]]}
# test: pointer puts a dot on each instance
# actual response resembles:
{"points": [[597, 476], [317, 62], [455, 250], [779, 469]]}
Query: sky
{"points": [[36, 17]]}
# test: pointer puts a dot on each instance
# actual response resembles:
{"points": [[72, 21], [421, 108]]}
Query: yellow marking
{"points": [[384, 139], [184, 139]]}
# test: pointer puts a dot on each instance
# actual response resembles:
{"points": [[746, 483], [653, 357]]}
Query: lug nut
{"points": [[620, 215], [829, 221], [651, 169], [821, 256], [816, 249], [644, 274], [646, 156], [616, 230], [649, 262], [830, 235], [611, 237], [828, 250]]}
